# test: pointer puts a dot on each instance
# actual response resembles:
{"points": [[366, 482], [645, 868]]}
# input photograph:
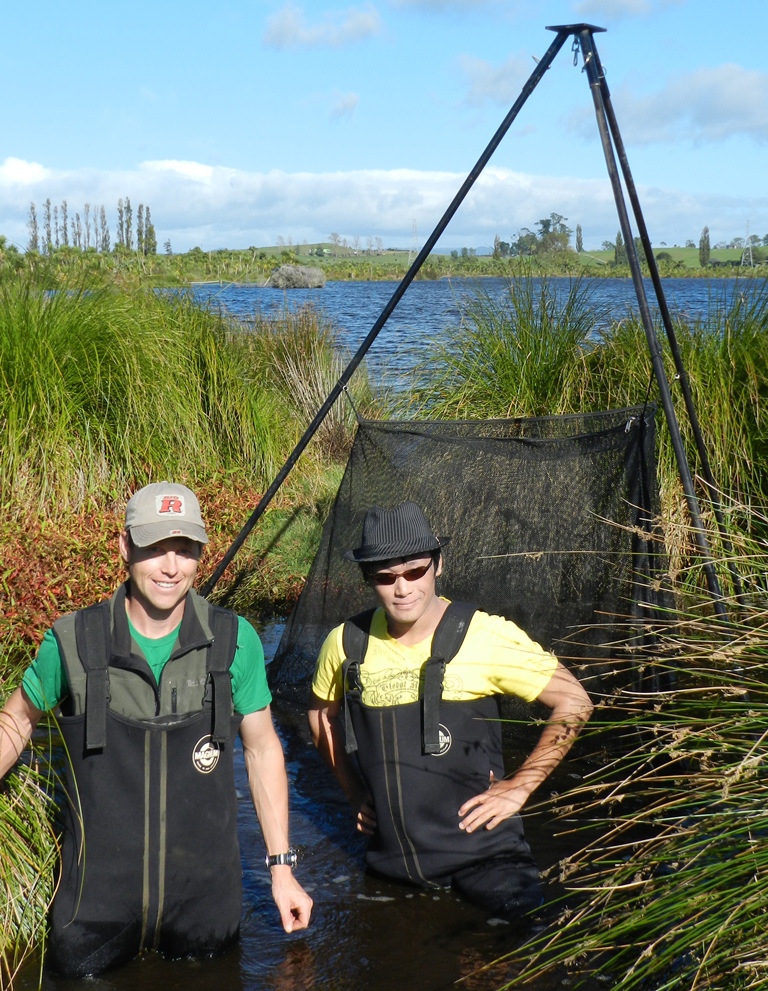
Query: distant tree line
{"points": [[551, 235], [57, 228]]}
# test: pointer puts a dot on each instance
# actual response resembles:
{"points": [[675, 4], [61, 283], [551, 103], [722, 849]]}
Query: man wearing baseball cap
{"points": [[405, 712], [153, 685]]}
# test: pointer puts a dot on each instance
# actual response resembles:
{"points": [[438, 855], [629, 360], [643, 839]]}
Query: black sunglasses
{"points": [[411, 575]]}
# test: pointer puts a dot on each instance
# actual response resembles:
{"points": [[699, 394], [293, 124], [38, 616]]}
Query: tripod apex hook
{"points": [[575, 28]]}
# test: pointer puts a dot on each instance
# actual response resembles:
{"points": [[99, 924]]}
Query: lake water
{"points": [[430, 310]]}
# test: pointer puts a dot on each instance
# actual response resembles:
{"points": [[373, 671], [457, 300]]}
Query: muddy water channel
{"points": [[365, 934]]}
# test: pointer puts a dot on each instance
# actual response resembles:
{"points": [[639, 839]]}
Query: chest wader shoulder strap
{"points": [[221, 653], [354, 640], [446, 642], [94, 642]]}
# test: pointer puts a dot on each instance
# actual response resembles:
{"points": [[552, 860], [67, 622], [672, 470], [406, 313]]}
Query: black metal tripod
{"points": [[610, 138]]}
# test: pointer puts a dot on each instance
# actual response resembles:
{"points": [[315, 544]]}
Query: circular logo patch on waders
{"points": [[445, 740], [205, 755]]}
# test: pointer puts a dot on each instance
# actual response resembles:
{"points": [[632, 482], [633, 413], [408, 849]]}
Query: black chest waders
{"points": [[422, 760], [150, 856]]}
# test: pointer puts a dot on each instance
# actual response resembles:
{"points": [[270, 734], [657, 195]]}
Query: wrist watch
{"points": [[277, 859]]}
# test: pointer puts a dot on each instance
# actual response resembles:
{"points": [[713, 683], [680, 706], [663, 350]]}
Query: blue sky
{"points": [[243, 122]]}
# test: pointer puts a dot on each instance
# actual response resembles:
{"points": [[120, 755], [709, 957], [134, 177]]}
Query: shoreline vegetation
{"points": [[108, 384], [339, 262]]}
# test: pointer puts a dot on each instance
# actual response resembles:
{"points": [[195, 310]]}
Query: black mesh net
{"points": [[550, 520]]}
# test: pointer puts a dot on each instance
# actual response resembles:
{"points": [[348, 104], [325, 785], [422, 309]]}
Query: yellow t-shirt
{"points": [[496, 658]]}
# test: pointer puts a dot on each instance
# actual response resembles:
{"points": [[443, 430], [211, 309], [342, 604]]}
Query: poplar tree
{"points": [[128, 224], [34, 232], [579, 239], [64, 231], [47, 226], [104, 232], [120, 223], [140, 230], [704, 248], [150, 238], [56, 227], [87, 224], [619, 252]]}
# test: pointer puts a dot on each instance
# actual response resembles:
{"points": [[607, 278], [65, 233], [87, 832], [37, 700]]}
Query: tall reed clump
{"points": [[671, 890], [725, 357], [516, 355], [544, 347], [298, 357], [101, 390]]}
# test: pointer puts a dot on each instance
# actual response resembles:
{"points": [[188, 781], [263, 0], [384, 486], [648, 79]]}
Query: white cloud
{"points": [[17, 171], [289, 28], [190, 170], [495, 83], [215, 207], [706, 105]]}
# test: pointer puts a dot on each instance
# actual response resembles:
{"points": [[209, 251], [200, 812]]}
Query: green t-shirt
{"points": [[45, 680]]}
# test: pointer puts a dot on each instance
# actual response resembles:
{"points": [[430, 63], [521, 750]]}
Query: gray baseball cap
{"points": [[162, 510]]}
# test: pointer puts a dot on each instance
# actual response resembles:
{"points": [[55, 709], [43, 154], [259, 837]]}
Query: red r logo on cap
{"points": [[171, 504]]}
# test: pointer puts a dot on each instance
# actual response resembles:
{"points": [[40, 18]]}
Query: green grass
{"points": [[101, 390], [28, 847], [686, 258], [533, 351]]}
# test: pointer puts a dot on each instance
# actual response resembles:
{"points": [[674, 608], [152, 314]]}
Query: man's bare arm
{"points": [[18, 719], [570, 709], [268, 783], [325, 727]]}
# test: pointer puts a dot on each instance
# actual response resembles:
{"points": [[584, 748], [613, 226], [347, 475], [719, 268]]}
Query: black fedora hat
{"points": [[399, 532]]}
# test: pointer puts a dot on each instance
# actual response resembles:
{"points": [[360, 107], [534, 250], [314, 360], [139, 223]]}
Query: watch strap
{"points": [[289, 858]]}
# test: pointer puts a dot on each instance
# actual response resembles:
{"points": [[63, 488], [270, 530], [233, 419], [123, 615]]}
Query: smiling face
{"points": [[405, 588], [160, 575]]}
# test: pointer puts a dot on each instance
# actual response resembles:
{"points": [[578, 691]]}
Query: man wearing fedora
{"points": [[152, 686], [405, 711]]}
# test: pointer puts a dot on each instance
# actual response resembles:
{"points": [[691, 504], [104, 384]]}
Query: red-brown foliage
{"points": [[49, 568]]}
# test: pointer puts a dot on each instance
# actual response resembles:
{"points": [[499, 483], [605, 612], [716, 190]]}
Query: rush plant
{"points": [[670, 890]]}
